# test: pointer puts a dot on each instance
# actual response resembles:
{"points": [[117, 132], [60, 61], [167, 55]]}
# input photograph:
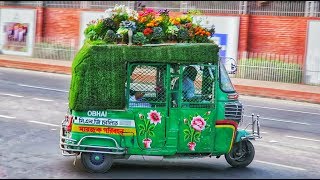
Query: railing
{"points": [[109, 4], [277, 8], [55, 48], [224, 7], [270, 8], [174, 6], [276, 68]]}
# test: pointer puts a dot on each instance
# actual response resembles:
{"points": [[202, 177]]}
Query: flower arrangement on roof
{"points": [[147, 26]]}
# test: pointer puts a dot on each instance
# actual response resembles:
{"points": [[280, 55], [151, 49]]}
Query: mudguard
{"points": [[241, 133]]}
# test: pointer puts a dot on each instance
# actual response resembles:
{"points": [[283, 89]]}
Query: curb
{"points": [[278, 94], [241, 89], [36, 66]]}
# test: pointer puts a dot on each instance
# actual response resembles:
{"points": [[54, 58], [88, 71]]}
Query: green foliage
{"points": [[110, 24], [157, 34], [269, 70], [157, 29], [183, 35], [99, 71], [110, 36], [139, 38]]}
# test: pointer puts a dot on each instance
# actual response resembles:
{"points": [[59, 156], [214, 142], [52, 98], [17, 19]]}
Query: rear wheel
{"points": [[241, 154], [96, 162]]}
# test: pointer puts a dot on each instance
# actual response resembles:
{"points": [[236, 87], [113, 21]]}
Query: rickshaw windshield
{"points": [[225, 82]]}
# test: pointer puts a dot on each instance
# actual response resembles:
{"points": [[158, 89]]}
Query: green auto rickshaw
{"points": [[169, 100]]}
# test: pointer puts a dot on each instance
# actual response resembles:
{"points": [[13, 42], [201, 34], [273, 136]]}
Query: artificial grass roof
{"points": [[99, 70]]}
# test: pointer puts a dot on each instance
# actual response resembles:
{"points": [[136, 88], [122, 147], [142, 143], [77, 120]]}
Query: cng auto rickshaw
{"points": [[105, 121], [133, 92]]}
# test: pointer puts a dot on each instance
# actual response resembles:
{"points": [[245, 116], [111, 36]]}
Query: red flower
{"points": [[147, 31]]}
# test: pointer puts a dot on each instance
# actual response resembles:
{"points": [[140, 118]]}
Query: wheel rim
{"points": [[97, 158], [240, 154]]}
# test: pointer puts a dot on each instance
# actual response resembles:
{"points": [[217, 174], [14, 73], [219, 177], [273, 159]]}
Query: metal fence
{"points": [[277, 8], [270, 8], [274, 67], [44, 48], [55, 48]]}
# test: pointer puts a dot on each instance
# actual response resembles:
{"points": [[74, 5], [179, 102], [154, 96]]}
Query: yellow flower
{"points": [[159, 19]]}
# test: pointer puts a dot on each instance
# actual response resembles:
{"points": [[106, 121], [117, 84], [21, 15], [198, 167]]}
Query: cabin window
{"points": [[147, 85], [197, 88]]}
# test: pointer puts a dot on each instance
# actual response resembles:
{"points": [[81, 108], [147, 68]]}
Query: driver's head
{"points": [[190, 72]]}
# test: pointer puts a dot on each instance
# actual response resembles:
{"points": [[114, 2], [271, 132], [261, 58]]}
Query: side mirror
{"points": [[230, 64]]}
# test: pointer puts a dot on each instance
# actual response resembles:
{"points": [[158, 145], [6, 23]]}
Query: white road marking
{"points": [[280, 120], [284, 109], [37, 87], [13, 95], [8, 117], [281, 165], [273, 141], [303, 138], [42, 99], [49, 124], [261, 132]]}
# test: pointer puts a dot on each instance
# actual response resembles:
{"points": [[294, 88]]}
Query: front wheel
{"points": [[96, 162], [241, 154]]}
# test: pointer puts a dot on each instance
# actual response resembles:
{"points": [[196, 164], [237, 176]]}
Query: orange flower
{"points": [[142, 19]]}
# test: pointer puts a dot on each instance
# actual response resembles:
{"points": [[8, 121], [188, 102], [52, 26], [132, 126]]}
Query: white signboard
{"points": [[86, 18], [17, 33], [312, 73], [226, 34]]}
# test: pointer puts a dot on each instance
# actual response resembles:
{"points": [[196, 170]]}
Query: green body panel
{"points": [[223, 140]]}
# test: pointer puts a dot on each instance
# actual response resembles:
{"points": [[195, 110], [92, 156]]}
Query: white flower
{"points": [[132, 13], [108, 13]]}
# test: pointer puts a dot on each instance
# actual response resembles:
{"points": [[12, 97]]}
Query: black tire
{"points": [[96, 162], [243, 157]]}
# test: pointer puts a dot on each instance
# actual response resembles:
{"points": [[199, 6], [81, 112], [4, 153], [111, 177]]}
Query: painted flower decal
{"points": [[198, 123], [147, 126], [195, 125], [154, 117]]}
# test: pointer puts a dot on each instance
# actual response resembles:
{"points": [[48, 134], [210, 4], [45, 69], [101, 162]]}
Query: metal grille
{"points": [[270, 8], [277, 8], [228, 7], [55, 48], [197, 87], [173, 6], [147, 88], [21, 3], [270, 67], [234, 111], [109, 4], [63, 4]]}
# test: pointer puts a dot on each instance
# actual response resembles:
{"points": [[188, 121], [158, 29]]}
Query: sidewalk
{"points": [[296, 92]]}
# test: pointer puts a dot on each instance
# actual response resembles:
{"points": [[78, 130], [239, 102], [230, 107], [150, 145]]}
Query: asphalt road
{"points": [[33, 104]]}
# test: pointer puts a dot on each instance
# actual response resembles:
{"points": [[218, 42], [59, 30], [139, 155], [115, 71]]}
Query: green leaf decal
{"points": [[151, 128], [151, 133], [141, 127], [197, 136], [141, 133], [186, 137], [187, 132]]}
